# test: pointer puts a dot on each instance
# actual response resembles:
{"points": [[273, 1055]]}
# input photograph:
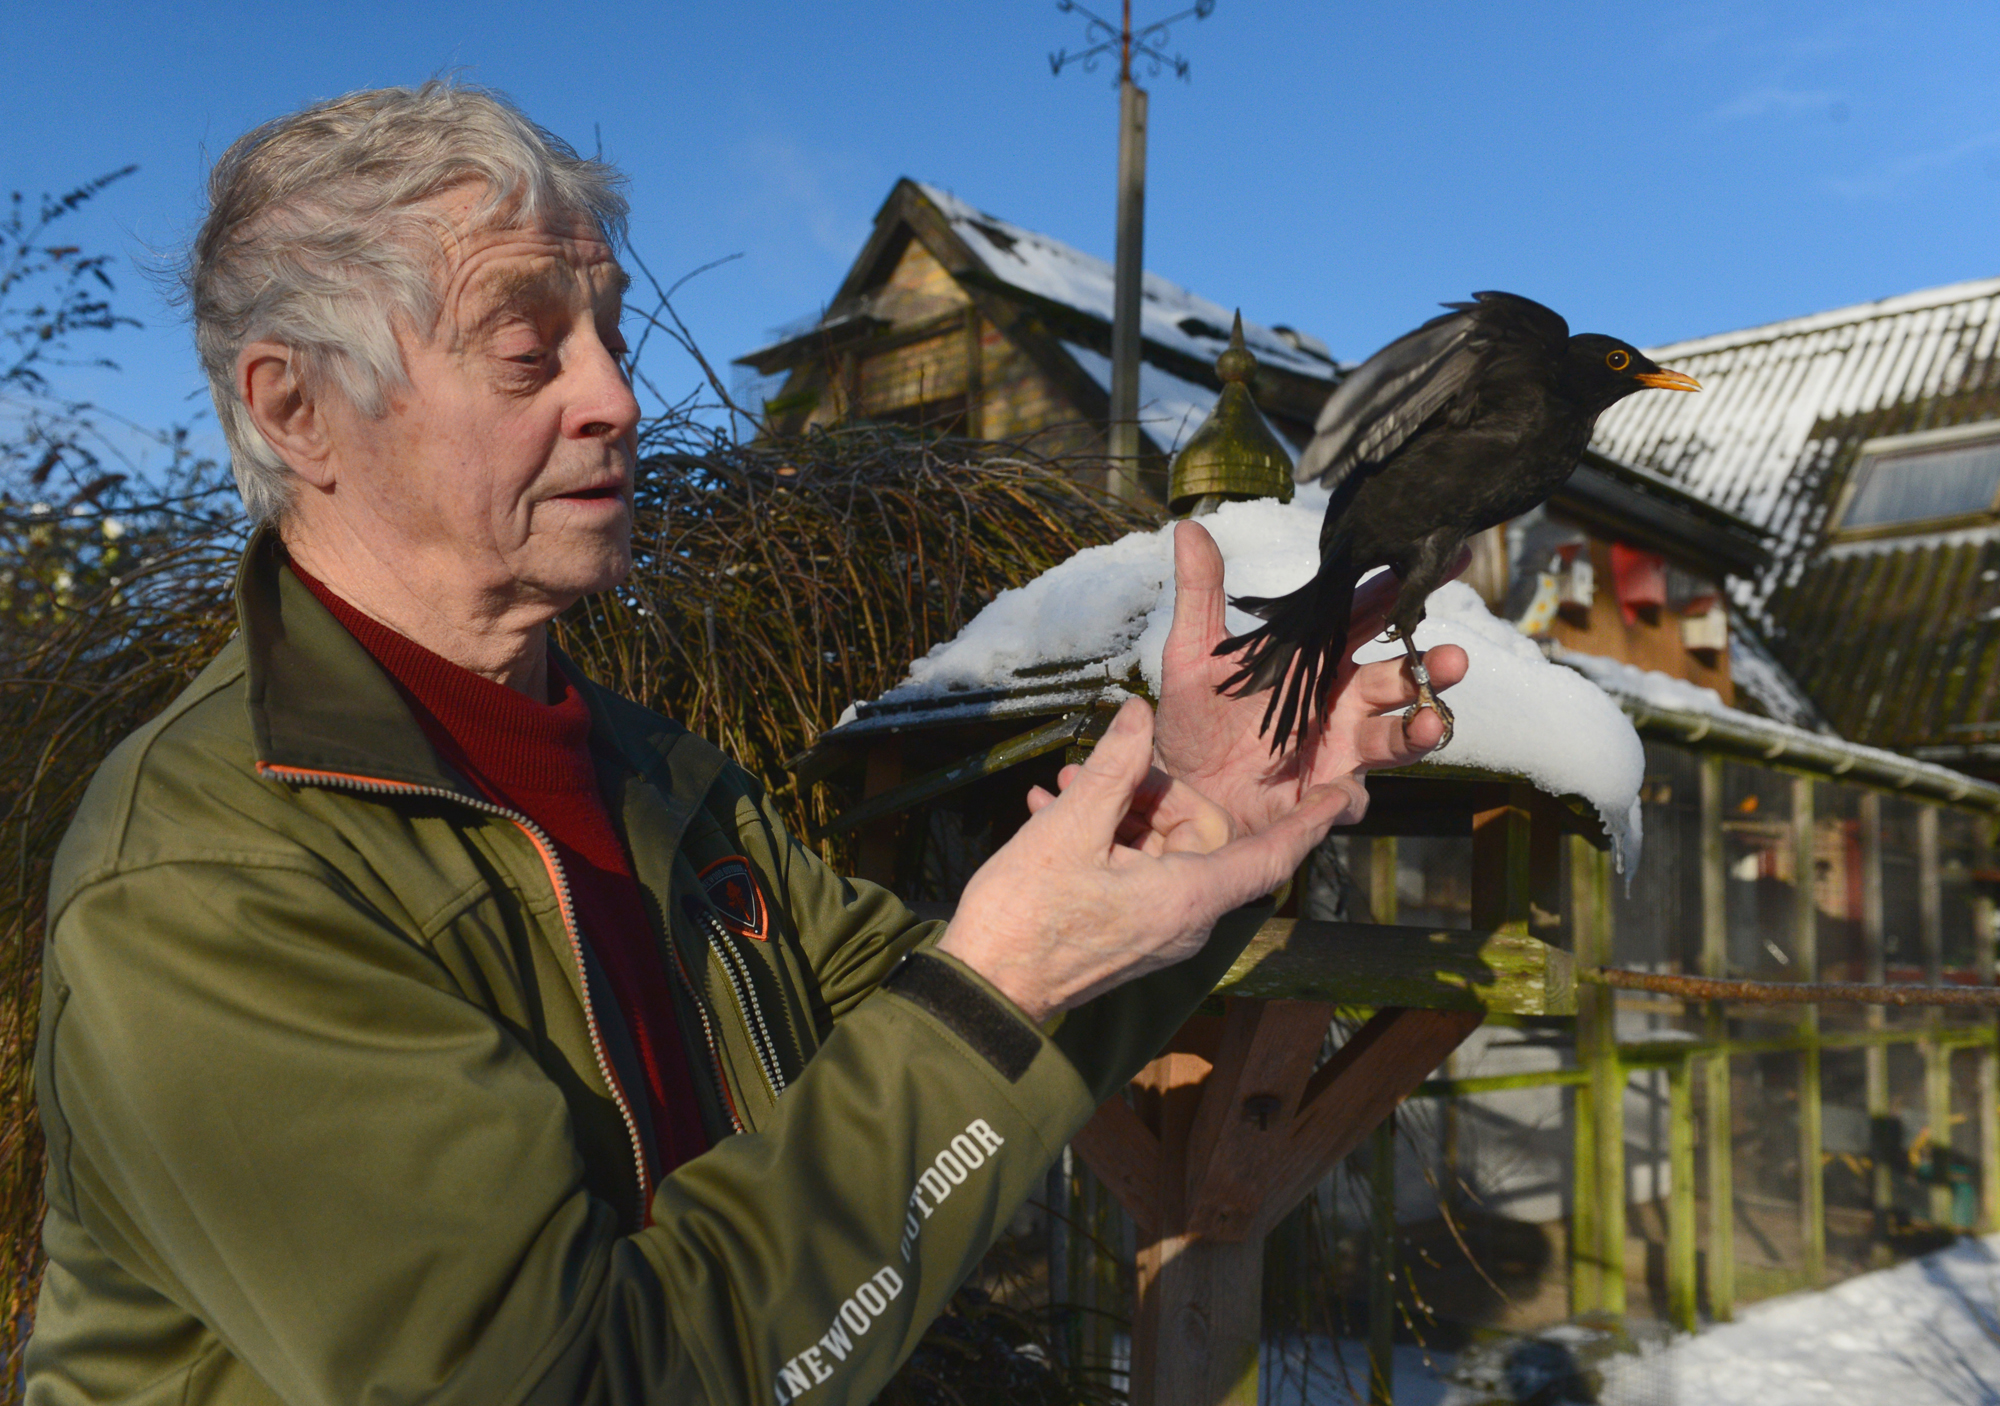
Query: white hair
{"points": [[320, 236]]}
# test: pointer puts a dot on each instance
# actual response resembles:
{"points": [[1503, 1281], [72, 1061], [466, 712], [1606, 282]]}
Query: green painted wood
{"points": [[997, 758], [1374, 964], [1680, 1199], [1717, 1128], [1586, 1278], [1597, 1051], [1805, 959]]}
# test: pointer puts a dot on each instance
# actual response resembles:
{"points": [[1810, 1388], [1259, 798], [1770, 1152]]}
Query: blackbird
{"points": [[1470, 420]]}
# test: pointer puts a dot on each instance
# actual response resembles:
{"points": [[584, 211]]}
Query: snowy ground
{"points": [[1926, 1333]]}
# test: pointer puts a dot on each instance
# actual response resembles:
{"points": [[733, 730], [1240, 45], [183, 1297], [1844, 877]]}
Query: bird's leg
{"points": [[1426, 697], [1426, 568]]}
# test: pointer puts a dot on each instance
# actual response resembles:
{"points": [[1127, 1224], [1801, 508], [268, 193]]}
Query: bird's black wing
{"points": [[1394, 393]]}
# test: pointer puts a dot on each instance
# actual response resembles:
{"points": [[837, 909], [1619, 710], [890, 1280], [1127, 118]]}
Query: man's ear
{"points": [[289, 418]]}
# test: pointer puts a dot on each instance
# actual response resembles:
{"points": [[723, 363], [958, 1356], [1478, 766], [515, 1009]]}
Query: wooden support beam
{"points": [[1597, 1049], [1370, 964], [1718, 1128], [1983, 957], [1355, 1090], [1223, 1136], [875, 842], [1680, 1197], [1937, 1059], [1876, 1059], [1805, 959]]}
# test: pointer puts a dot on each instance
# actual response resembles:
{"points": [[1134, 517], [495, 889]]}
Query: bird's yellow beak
{"points": [[1665, 380]]}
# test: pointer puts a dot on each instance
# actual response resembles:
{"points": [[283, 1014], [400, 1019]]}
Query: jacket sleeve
{"points": [[278, 1109]]}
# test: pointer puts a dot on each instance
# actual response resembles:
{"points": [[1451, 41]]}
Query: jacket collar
{"points": [[318, 701]]}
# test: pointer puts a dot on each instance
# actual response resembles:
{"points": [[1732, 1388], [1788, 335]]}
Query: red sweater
{"points": [[535, 758]]}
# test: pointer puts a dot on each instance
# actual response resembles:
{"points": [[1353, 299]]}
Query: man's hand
{"points": [[1065, 910], [1211, 741]]}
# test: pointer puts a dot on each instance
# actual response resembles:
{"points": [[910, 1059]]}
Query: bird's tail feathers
{"points": [[1296, 652]]}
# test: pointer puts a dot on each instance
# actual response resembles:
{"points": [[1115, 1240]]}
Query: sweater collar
{"points": [[318, 702]]}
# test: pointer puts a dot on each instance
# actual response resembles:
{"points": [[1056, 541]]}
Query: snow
{"points": [[1925, 1333], [1651, 688], [1106, 612], [1646, 685], [1169, 315], [1170, 409]]}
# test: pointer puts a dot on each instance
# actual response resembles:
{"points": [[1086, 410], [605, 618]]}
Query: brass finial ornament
{"points": [[1233, 455]]}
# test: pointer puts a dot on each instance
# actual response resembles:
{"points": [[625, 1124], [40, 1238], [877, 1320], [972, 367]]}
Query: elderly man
{"points": [[423, 1022]]}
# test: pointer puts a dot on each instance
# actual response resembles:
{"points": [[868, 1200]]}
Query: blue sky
{"points": [[1655, 171]]}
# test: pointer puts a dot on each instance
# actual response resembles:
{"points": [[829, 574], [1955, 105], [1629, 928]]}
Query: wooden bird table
{"points": [[1239, 1118], [1236, 1122]]}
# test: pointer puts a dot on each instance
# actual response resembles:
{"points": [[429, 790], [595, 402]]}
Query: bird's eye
{"points": [[1617, 360]]}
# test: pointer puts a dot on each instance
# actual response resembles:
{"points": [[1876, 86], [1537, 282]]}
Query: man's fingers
{"points": [[1387, 683], [1199, 603], [1252, 867], [1037, 798], [1117, 767]]}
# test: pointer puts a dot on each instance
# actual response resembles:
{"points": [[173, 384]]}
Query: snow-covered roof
{"points": [[1097, 623], [1766, 390], [1170, 408], [1649, 696], [1169, 315]]}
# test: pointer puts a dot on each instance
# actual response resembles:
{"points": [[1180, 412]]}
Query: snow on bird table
{"points": [[1106, 611]]}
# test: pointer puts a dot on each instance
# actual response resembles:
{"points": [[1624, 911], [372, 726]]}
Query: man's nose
{"points": [[605, 407]]}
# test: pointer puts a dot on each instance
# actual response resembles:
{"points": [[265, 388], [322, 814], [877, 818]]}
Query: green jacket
{"points": [[335, 1095]]}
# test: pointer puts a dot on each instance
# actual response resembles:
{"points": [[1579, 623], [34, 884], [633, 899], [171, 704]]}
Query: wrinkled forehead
{"points": [[490, 272]]}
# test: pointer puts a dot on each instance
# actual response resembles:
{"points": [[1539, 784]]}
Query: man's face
{"points": [[505, 466]]}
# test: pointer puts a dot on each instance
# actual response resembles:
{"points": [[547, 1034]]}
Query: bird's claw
{"points": [[1427, 698]]}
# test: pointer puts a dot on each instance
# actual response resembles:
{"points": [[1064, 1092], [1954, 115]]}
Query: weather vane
{"points": [[1148, 44]]}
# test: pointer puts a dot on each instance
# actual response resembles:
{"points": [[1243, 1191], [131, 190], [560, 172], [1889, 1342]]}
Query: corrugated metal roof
{"points": [[1897, 639], [1773, 394]]}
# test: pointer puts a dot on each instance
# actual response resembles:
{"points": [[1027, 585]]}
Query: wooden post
{"points": [[1382, 879], [1597, 1047], [1232, 1128], [1586, 1275], [1876, 1056], [1680, 1197], [1382, 1264], [875, 842], [1718, 1131], [1382, 903], [1937, 1059], [1805, 957], [1989, 1074]]}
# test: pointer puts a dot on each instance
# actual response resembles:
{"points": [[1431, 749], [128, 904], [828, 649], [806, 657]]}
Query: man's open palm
{"points": [[1212, 741]]}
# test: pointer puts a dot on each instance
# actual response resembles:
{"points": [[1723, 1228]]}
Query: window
{"points": [[1939, 478]]}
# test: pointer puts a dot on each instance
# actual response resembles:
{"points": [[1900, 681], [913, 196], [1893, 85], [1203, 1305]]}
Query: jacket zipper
{"points": [[546, 849], [738, 972]]}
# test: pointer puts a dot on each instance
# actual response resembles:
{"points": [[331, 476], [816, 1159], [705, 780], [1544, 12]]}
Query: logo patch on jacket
{"points": [[732, 889]]}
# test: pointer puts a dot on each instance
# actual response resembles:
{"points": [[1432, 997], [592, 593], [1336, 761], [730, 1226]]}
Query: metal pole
{"points": [[1129, 277]]}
